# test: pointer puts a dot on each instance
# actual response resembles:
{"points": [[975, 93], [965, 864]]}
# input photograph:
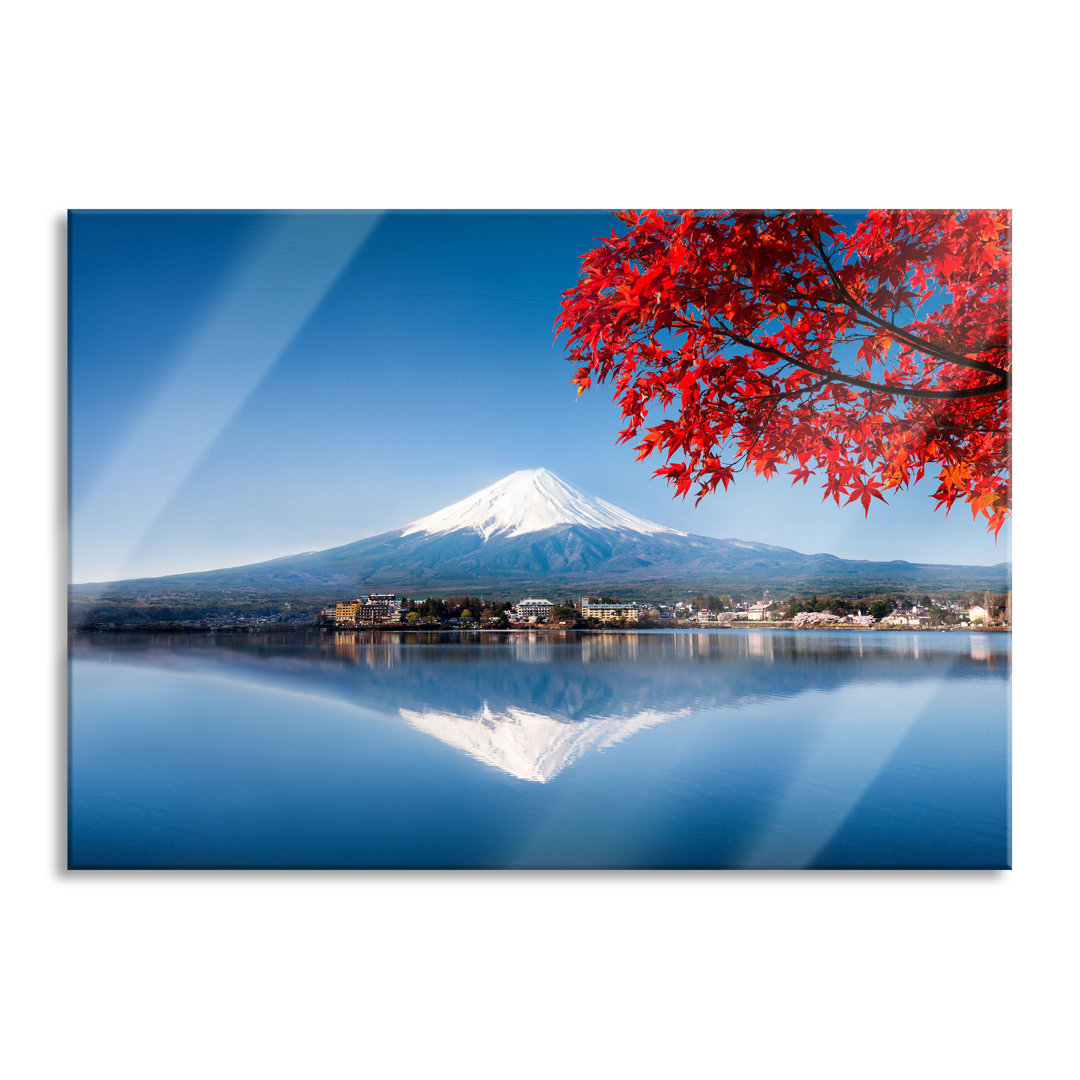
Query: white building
{"points": [[532, 609], [900, 619]]}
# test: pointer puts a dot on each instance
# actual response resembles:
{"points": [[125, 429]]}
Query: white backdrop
{"points": [[604, 974]]}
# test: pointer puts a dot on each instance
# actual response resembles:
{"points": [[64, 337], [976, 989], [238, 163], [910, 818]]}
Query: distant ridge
{"points": [[533, 530]]}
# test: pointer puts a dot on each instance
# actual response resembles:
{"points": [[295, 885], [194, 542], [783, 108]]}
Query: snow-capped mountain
{"points": [[528, 744], [532, 530], [530, 501]]}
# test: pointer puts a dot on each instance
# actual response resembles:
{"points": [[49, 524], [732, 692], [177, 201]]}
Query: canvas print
{"points": [[634, 539]]}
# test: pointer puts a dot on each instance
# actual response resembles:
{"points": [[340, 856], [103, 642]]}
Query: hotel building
{"points": [[608, 612], [532, 609]]}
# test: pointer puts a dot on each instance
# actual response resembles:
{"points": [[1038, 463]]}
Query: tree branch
{"points": [[911, 393], [914, 340]]}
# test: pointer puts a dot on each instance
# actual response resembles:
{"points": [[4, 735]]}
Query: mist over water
{"points": [[666, 749]]}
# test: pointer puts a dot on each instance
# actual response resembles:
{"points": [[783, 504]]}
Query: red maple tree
{"points": [[775, 338]]}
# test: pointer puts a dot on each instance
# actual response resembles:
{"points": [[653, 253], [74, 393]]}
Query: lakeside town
{"points": [[385, 609], [900, 611]]}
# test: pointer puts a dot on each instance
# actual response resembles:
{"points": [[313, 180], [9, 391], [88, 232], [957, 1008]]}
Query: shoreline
{"points": [[233, 631]]}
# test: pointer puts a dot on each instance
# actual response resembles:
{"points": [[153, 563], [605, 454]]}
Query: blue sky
{"points": [[244, 386]]}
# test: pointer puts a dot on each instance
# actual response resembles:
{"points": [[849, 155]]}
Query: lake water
{"points": [[688, 749]]}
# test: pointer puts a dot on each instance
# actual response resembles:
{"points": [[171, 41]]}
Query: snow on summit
{"points": [[530, 501], [531, 745]]}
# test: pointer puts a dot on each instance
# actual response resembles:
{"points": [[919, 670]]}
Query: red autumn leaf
{"points": [[870, 355]]}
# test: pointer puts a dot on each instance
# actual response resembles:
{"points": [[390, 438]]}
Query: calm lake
{"points": [[736, 748]]}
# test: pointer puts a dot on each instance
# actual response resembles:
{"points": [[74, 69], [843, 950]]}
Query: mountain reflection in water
{"points": [[532, 704], [739, 748]]}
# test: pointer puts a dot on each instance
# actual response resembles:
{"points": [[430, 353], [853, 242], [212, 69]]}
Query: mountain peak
{"points": [[531, 745], [531, 500]]}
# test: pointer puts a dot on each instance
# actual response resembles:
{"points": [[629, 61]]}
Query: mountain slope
{"points": [[531, 530], [529, 501]]}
